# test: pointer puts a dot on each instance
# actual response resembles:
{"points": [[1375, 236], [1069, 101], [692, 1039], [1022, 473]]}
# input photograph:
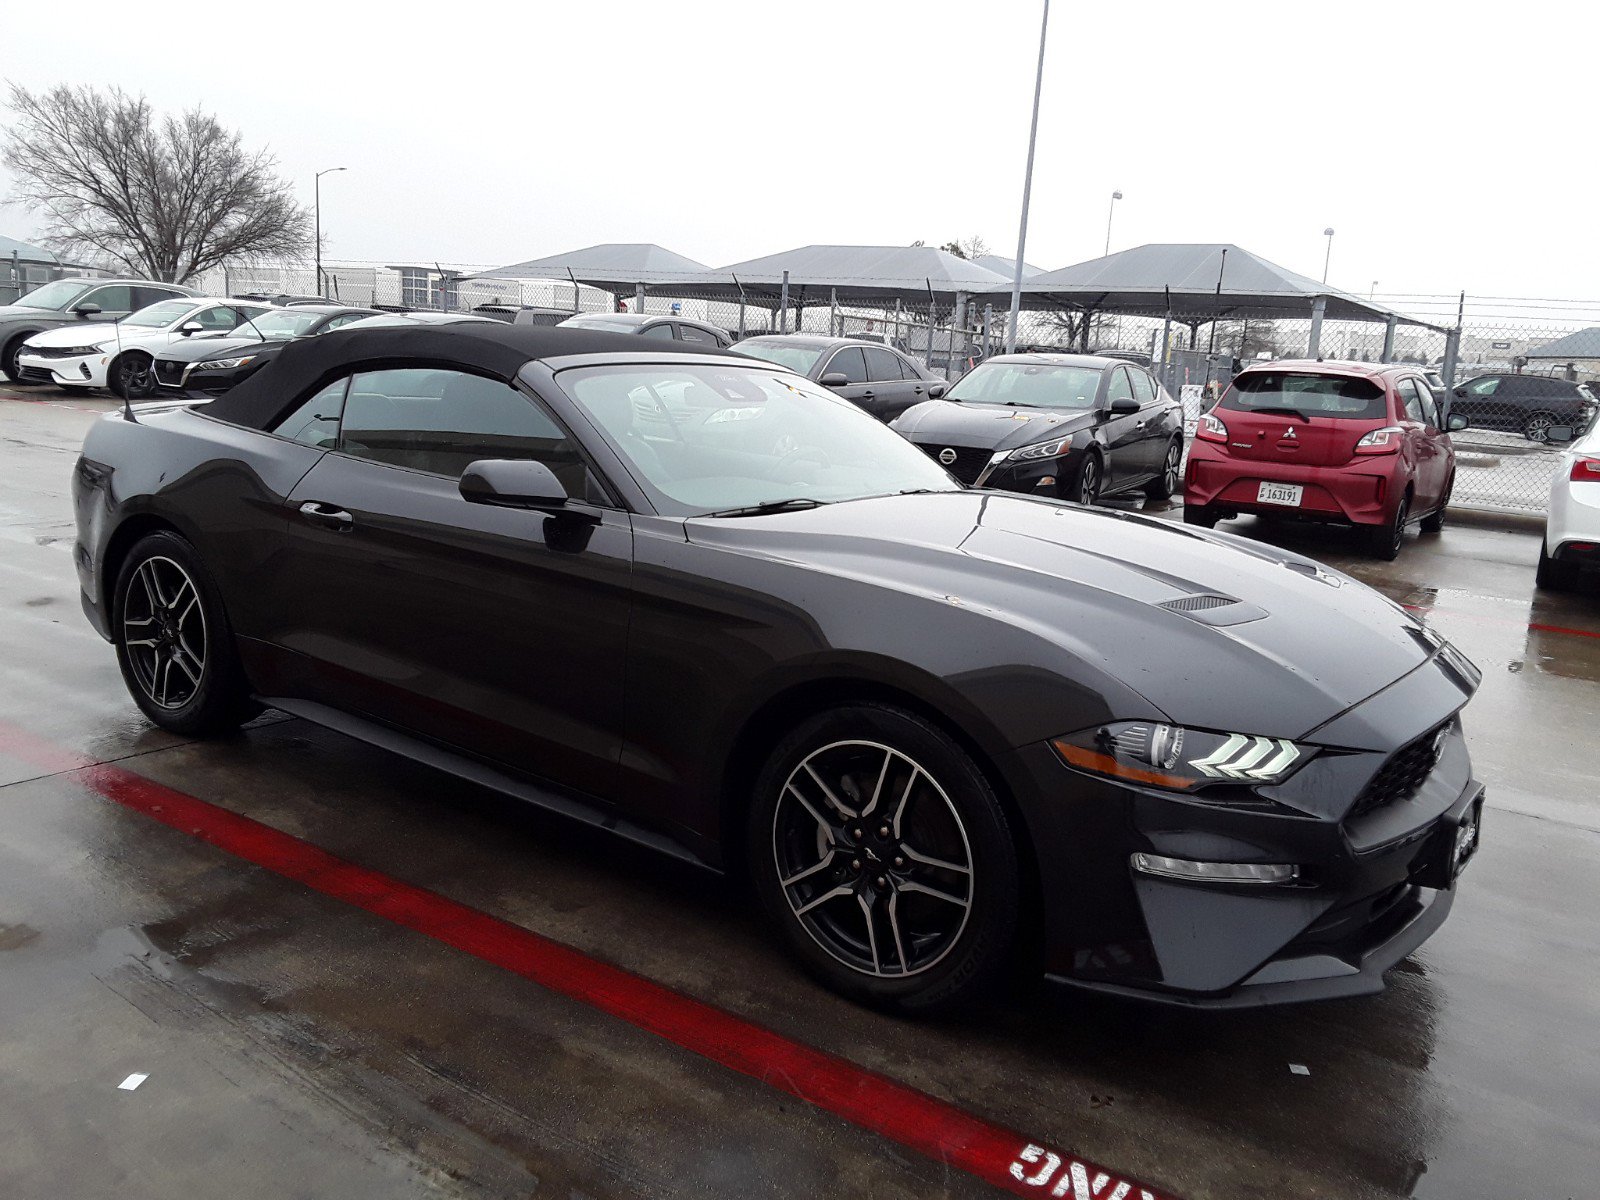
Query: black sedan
{"points": [[879, 378], [202, 367], [1078, 427], [940, 729]]}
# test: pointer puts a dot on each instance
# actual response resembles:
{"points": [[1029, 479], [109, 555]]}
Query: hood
{"points": [[989, 426], [1214, 631], [77, 333], [195, 348]]}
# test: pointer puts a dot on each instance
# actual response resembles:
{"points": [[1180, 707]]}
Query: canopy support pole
{"points": [[638, 297], [1452, 351], [958, 324], [574, 279], [740, 286], [897, 308], [1319, 309], [988, 320], [783, 305], [833, 313], [1388, 339], [931, 302]]}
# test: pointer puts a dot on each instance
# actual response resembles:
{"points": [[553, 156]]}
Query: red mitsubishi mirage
{"points": [[1350, 443]]}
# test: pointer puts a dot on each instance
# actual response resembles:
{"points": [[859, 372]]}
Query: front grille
{"points": [[169, 372], [1402, 776], [1198, 603], [59, 351], [969, 464], [34, 375]]}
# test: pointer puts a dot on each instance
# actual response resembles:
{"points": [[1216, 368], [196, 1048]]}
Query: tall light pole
{"points": [[1027, 187], [1328, 257], [317, 188], [1111, 212], [1374, 292]]}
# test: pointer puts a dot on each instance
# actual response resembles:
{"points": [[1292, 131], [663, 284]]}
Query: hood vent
{"points": [[1199, 603], [1213, 608]]}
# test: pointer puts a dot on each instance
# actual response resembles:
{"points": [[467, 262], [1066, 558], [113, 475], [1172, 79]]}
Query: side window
{"points": [[882, 365], [115, 298], [1144, 388], [1410, 401], [663, 330], [219, 319], [699, 337], [1431, 412], [1120, 389], [338, 321], [441, 420], [850, 363], [908, 369], [1484, 387], [316, 422], [143, 296]]}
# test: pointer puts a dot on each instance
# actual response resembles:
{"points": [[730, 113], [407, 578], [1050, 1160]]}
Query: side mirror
{"points": [[513, 483], [1124, 405], [190, 328], [835, 379], [1456, 422], [1560, 434], [87, 310], [935, 391]]}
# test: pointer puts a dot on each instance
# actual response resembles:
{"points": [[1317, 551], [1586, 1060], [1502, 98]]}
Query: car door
{"points": [[889, 392], [1123, 435], [500, 631], [852, 364], [1156, 424], [1424, 443], [116, 300]]}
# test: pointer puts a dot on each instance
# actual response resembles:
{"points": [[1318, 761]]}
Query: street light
{"points": [[317, 187], [1326, 258], [1027, 187], [1115, 196], [1374, 292]]}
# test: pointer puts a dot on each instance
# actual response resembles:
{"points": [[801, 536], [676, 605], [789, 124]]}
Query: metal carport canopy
{"points": [[1143, 282], [611, 266], [855, 274], [1583, 344]]}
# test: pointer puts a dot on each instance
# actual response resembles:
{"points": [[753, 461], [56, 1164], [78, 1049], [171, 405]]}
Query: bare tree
{"points": [[164, 198], [971, 247]]}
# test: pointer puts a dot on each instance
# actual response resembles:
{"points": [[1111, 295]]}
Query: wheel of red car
{"points": [[881, 853], [1202, 515], [1434, 521], [1537, 427], [1386, 540]]}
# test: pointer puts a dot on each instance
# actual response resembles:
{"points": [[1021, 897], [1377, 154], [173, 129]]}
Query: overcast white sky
{"points": [[1449, 145]]}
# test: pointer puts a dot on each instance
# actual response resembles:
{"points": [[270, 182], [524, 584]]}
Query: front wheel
{"points": [[8, 357], [132, 376], [1165, 485], [173, 641], [1083, 487], [884, 858]]}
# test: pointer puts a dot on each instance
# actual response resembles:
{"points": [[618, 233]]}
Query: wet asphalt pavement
{"points": [[297, 1046]]}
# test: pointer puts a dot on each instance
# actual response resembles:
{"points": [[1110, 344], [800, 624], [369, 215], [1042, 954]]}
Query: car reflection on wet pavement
{"points": [[296, 1044]]}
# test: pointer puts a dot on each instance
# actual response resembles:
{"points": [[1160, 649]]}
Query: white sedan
{"points": [[119, 355], [1572, 528]]}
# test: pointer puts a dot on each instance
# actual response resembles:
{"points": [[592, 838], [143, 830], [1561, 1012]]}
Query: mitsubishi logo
{"points": [[947, 456], [1289, 434]]}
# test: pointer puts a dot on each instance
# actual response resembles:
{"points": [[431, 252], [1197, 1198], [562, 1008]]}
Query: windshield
{"points": [[1308, 395], [56, 295], [703, 439], [799, 359], [619, 324], [280, 323], [1029, 385], [159, 316]]}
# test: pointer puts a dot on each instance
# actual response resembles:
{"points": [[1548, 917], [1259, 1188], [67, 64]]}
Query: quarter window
{"points": [[663, 330], [1411, 401], [316, 422], [1144, 388], [849, 363], [700, 337]]}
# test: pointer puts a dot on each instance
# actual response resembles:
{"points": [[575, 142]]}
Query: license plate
{"points": [[1287, 494]]}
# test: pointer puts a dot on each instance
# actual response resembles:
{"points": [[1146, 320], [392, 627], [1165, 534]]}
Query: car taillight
{"points": [[1381, 441], [1211, 429], [1586, 469]]}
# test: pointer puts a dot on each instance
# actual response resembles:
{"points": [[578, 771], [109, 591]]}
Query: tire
{"points": [[1165, 485], [1384, 541], [1087, 479], [856, 888], [8, 359], [1553, 575], [1434, 521], [173, 640], [131, 376], [1536, 426], [1202, 515]]}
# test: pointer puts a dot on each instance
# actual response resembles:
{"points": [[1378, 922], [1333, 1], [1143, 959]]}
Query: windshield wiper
{"points": [[794, 504], [1283, 410]]}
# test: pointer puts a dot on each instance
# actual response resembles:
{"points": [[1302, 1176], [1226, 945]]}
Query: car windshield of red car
{"points": [[1344, 396]]}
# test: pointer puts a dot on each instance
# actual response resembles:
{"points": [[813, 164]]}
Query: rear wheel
{"points": [[1165, 485], [1553, 575], [1537, 427], [1085, 483], [881, 853], [1385, 540], [1434, 521], [173, 641]]}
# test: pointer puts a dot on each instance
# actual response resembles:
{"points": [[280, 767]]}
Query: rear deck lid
{"points": [[1305, 417]]}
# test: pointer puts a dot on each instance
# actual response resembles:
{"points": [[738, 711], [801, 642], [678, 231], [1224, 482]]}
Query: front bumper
{"points": [[87, 370]]}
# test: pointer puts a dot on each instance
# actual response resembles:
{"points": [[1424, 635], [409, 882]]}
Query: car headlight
{"points": [[1051, 449], [222, 364], [1170, 756]]}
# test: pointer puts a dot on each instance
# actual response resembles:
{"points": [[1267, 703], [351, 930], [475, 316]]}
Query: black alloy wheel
{"points": [[173, 642], [1537, 427], [1165, 485], [1434, 521], [133, 376], [882, 854], [1386, 540], [1084, 485]]}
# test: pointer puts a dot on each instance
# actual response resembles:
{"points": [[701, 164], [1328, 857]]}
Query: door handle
{"points": [[917, 389], [326, 514], [867, 395], [1140, 424]]}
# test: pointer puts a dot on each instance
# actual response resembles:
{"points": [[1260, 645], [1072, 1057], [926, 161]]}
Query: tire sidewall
{"points": [[218, 702], [118, 366], [981, 950], [1090, 460]]}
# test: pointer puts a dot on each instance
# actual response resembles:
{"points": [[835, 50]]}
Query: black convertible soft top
{"points": [[486, 348]]}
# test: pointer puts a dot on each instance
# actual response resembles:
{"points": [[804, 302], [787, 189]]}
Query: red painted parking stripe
{"points": [[914, 1119], [1537, 626]]}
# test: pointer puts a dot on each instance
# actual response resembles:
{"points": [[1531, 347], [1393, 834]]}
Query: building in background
{"points": [[24, 267]]}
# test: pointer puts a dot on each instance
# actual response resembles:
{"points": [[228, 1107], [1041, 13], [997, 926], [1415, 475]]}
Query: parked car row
{"points": [[710, 604]]}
